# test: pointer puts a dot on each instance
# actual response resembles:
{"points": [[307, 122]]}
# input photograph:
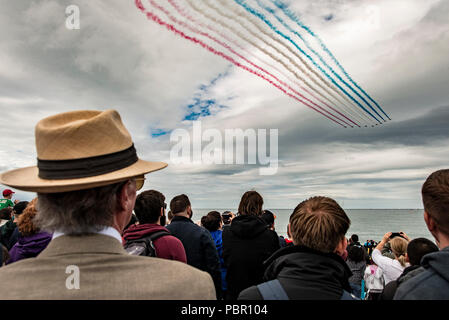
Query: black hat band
{"points": [[86, 167]]}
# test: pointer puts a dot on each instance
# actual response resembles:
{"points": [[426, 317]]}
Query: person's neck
{"points": [[182, 214], [444, 241]]}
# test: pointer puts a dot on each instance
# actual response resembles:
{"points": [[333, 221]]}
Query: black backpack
{"points": [[144, 246]]}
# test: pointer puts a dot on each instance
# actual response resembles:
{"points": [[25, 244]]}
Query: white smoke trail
{"points": [[262, 28], [194, 4], [185, 21], [353, 108], [244, 16]]}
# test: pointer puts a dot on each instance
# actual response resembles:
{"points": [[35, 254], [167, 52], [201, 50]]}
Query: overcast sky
{"points": [[397, 50]]}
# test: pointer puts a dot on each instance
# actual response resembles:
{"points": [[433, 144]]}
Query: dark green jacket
{"points": [[6, 231]]}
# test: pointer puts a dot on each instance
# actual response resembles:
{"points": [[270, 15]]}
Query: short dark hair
{"points": [[251, 203], [20, 206], [435, 195], [179, 204], [148, 206], [356, 253], [355, 238], [268, 217], [5, 213], [418, 248], [211, 221], [319, 223]]}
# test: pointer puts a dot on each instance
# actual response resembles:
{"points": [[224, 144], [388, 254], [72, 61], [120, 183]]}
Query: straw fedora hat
{"points": [[80, 150]]}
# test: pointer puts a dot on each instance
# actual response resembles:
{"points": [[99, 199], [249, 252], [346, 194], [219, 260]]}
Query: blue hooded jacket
{"points": [[217, 236], [432, 283]]}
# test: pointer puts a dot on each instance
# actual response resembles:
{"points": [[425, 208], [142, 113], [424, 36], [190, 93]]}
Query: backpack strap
{"points": [[149, 241], [158, 234], [148, 249], [272, 290]]}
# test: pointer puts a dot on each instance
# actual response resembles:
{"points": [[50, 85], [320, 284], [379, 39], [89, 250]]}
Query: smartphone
{"points": [[226, 218], [395, 234]]}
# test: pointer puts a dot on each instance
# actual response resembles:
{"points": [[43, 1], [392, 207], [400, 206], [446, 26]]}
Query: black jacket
{"points": [[305, 274], [6, 233], [200, 248], [391, 288], [246, 244]]}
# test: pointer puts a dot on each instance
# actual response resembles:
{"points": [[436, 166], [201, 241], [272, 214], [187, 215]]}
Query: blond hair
{"points": [[399, 247], [319, 223]]}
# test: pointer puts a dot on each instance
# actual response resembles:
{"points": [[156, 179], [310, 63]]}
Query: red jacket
{"points": [[167, 247]]}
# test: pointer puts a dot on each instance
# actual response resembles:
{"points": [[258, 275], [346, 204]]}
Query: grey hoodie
{"points": [[431, 284]]}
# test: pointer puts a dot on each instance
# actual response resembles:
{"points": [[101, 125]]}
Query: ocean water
{"points": [[366, 223]]}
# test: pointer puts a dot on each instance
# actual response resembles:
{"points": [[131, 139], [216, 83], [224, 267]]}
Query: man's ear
{"points": [[432, 227], [127, 196], [341, 246], [430, 223]]}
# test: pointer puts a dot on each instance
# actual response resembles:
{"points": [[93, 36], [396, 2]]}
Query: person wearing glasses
{"points": [[86, 180]]}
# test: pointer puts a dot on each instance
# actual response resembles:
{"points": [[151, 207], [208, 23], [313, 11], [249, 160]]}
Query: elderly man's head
{"points": [[85, 211], [87, 172]]}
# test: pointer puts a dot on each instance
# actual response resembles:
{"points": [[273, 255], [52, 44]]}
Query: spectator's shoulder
{"points": [[251, 293], [173, 273], [425, 285]]}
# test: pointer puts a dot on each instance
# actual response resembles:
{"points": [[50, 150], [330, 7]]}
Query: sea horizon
{"points": [[410, 221]]}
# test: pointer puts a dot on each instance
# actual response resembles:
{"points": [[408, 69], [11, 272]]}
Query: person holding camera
{"points": [[392, 268], [227, 217]]}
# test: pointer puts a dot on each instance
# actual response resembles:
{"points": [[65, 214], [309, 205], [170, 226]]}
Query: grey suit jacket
{"points": [[97, 267]]}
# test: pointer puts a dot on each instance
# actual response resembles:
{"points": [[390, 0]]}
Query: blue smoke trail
{"points": [[295, 19], [264, 19], [273, 13]]}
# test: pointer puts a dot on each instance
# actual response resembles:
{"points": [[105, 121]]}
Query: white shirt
{"points": [[374, 279], [107, 231], [391, 268]]}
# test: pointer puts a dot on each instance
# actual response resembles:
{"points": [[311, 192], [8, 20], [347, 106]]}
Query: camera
{"points": [[396, 234], [226, 216]]}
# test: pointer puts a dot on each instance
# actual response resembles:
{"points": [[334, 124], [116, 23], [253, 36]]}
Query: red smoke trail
{"points": [[243, 58], [170, 27], [190, 18]]}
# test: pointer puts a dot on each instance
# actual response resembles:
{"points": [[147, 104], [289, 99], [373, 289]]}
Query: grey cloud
{"points": [[428, 128], [121, 60]]}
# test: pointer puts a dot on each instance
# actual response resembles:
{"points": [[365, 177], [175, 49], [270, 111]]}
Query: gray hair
{"points": [[78, 212]]}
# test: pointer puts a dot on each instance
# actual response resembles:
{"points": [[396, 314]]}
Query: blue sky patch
{"points": [[202, 102], [158, 132], [329, 17]]}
